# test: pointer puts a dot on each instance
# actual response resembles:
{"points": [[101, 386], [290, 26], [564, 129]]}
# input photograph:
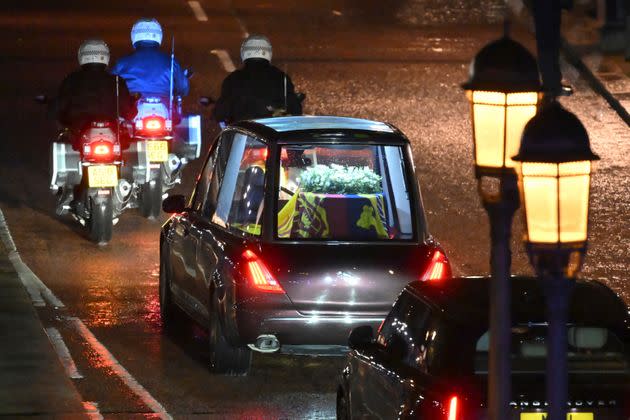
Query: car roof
{"points": [[466, 300], [312, 122], [305, 127]]}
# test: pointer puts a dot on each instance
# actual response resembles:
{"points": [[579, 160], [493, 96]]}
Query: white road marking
{"points": [[34, 286], [92, 411], [38, 292], [200, 14], [64, 354], [224, 58], [111, 362], [241, 24]]}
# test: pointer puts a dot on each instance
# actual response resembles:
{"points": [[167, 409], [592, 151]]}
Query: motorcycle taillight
{"points": [[153, 126], [101, 150]]}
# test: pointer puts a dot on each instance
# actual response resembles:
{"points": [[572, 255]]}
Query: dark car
{"points": [[298, 229], [429, 359]]}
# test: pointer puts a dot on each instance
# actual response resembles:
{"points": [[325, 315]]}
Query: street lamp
{"points": [[554, 178], [504, 92]]}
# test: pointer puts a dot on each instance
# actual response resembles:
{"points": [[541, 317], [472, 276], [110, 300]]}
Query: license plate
{"points": [[570, 416], [101, 176], [157, 151]]}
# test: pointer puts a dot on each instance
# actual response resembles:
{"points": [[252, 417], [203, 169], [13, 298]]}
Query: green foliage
{"points": [[337, 179]]}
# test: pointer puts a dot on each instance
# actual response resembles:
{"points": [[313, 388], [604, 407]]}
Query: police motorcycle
{"points": [[161, 149], [153, 134], [87, 181]]}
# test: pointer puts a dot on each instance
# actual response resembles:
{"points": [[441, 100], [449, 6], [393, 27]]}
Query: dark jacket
{"points": [[248, 92], [89, 94], [148, 71]]}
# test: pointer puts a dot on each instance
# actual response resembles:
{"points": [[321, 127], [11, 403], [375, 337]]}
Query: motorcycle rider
{"points": [[147, 70], [89, 93], [258, 89], [86, 95]]}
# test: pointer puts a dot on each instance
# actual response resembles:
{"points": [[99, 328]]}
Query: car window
{"points": [[419, 336], [409, 320], [388, 327], [347, 192], [591, 350], [203, 182], [241, 197], [223, 150]]}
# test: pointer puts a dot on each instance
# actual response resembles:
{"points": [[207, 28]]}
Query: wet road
{"points": [[400, 63]]}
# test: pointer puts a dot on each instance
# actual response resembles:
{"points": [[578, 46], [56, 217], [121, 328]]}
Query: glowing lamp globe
{"points": [[555, 169], [504, 91]]}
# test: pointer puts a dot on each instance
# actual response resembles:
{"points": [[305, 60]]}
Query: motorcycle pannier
{"points": [[65, 166]]}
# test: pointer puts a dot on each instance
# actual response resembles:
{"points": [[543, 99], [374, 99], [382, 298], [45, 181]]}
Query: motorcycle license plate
{"points": [[101, 176], [157, 151], [570, 416]]}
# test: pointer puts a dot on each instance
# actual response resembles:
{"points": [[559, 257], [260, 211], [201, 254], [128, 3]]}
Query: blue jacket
{"points": [[148, 71]]}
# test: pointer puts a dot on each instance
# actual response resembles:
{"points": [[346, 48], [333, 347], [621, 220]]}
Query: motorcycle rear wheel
{"points": [[100, 224], [151, 199]]}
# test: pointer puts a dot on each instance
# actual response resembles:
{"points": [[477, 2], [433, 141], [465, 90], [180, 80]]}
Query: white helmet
{"points": [[93, 51], [146, 30], [256, 46]]}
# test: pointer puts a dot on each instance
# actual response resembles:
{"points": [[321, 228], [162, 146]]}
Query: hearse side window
{"points": [[591, 350], [409, 320], [222, 153], [205, 176], [241, 196]]}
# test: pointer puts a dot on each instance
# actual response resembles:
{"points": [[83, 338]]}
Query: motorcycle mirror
{"points": [[41, 99], [206, 101]]}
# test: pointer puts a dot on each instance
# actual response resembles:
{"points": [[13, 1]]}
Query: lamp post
{"points": [[504, 91], [554, 179]]}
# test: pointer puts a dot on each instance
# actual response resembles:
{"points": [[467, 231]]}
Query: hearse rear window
{"points": [[591, 350], [344, 192]]}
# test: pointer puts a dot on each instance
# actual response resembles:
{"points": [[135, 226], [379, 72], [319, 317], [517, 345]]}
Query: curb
{"points": [[575, 60], [33, 381], [596, 84]]}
